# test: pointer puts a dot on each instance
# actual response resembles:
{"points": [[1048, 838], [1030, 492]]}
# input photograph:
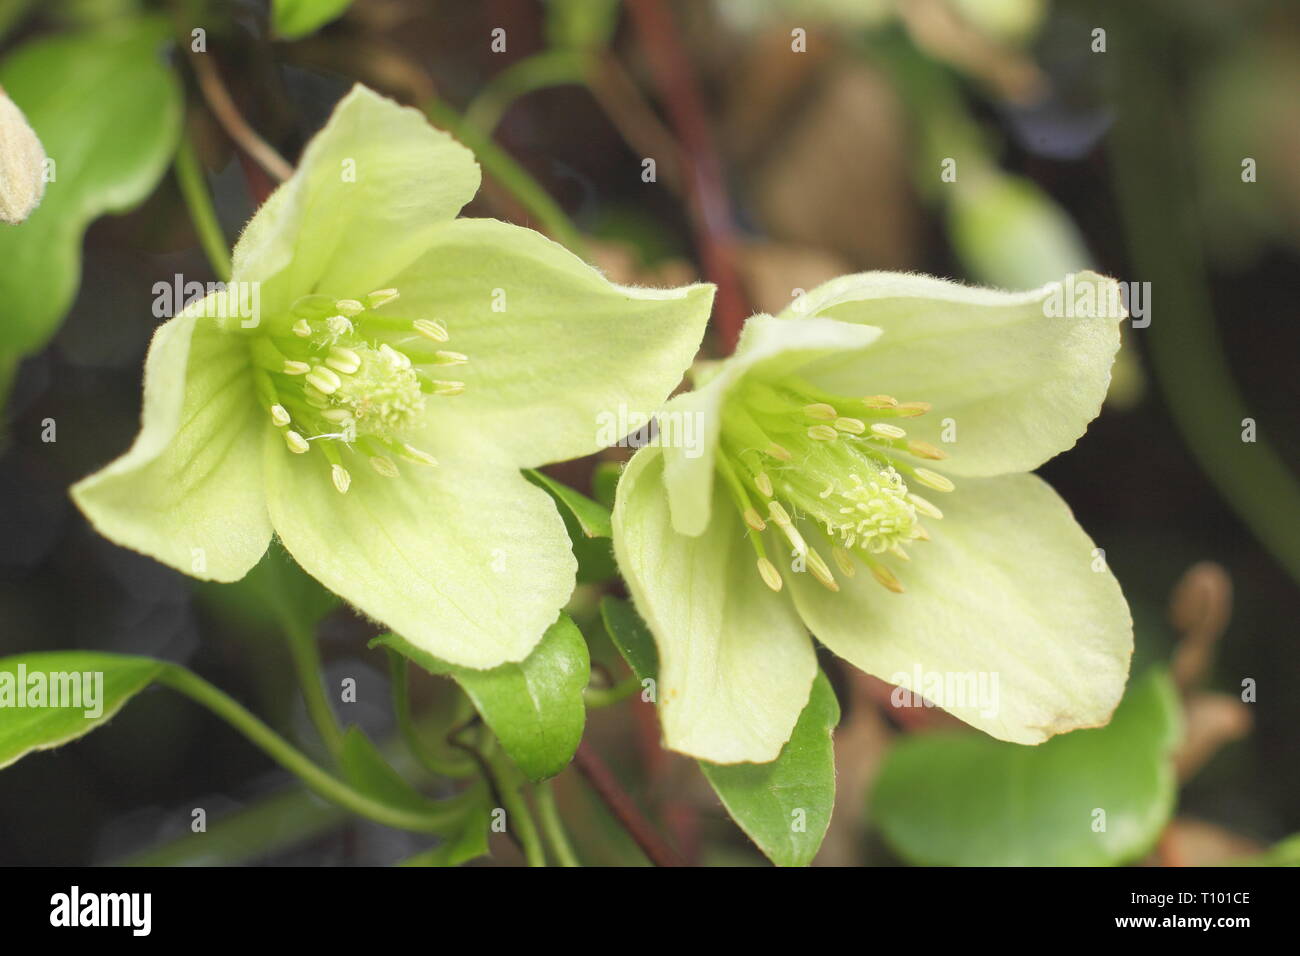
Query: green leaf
{"points": [[592, 518], [367, 770], [630, 635], [469, 844], [969, 800], [292, 19], [108, 113], [534, 707], [114, 679], [785, 806]]}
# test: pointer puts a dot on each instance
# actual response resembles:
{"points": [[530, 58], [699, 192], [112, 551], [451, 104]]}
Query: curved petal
{"points": [[189, 491], [736, 664], [1004, 622], [1019, 374], [467, 560], [559, 356], [768, 347], [369, 191]]}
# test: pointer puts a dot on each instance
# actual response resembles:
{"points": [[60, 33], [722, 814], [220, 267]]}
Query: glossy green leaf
{"points": [[470, 844], [630, 635], [535, 707], [108, 113], [785, 806], [105, 684], [592, 517], [969, 800], [367, 770], [292, 19]]}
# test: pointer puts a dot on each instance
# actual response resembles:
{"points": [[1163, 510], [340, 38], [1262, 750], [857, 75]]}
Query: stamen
{"points": [[767, 570], [302, 329], [823, 433], [381, 297], [885, 577], [418, 456], [280, 416], [923, 449], [779, 452], [854, 426], [885, 430], [384, 466], [912, 409], [341, 477], [880, 401], [349, 307], [293, 367], [932, 479], [844, 560], [324, 380], [754, 519], [820, 571], [297, 444], [450, 358], [820, 410], [447, 388], [343, 360], [924, 506], [763, 484], [431, 329]]}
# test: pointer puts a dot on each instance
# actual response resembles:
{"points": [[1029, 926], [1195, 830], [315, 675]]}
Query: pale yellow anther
{"points": [[844, 560], [384, 466], [381, 297], [292, 367], [880, 401], [921, 533], [820, 410], [279, 416], [885, 430], [336, 415], [324, 380], [418, 456], [341, 477], [779, 452], [778, 513], [763, 484], [431, 329], [302, 329], [854, 426], [886, 578], [923, 449], [823, 433], [767, 571], [297, 444], [450, 358], [349, 307], [754, 519], [896, 549], [315, 397], [912, 409], [932, 479], [447, 388], [820, 570], [338, 325], [343, 360], [924, 506]]}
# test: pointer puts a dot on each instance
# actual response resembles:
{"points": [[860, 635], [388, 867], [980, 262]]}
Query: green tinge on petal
{"points": [[1006, 589], [769, 348], [560, 357], [467, 559], [189, 490], [1019, 385], [736, 664], [369, 191]]}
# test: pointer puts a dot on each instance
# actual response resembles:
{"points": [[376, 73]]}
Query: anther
{"points": [[431, 329], [447, 388], [880, 401], [820, 410], [886, 578], [279, 416], [341, 477], [349, 307], [853, 426], [923, 449], [779, 452], [450, 358], [844, 560], [381, 297], [924, 506], [384, 466], [767, 570], [292, 367], [763, 484], [297, 444], [418, 456], [912, 409], [885, 430], [754, 519], [324, 380], [823, 433], [820, 571], [343, 360], [302, 329], [932, 479]]}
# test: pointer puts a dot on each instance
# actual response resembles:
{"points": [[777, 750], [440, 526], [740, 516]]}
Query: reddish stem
{"points": [[706, 191], [621, 805]]}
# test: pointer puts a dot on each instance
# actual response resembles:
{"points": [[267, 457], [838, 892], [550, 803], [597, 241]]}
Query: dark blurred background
{"points": [[1127, 160]]}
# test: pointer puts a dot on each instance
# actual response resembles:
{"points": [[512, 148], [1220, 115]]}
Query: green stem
{"points": [[597, 697], [436, 763], [307, 664], [519, 817], [537, 72], [439, 819], [553, 825], [502, 167], [189, 174]]}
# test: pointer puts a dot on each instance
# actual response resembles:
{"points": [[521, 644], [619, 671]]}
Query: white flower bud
{"points": [[22, 164]]}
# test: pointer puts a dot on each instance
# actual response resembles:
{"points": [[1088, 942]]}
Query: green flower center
{"points": [[792, 453], [339, 376]]}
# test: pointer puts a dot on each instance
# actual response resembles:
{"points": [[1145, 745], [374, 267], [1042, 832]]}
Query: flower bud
{"points": [[22, 164]]}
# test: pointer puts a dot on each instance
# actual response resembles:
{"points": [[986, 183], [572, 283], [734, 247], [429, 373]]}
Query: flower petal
{"points": [[467, 560], [736, 664], [369, 191], [769, 347], [1005, 587], [558, 354], [1020, 385], [189, 491]]}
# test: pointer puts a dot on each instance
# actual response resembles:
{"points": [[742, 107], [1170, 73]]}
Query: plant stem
{"points": [[507, 783], [502, 167], [621, 805], [189, 174], [439, 819], [548, 68], [435, 763], [597, 697], [553, 825], [311, 678]]}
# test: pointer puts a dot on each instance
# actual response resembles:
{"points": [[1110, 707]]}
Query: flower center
{"points": [[348, 380], [790, 452]]}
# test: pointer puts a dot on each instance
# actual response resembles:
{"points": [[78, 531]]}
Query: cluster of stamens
{"points": [[791, 452], [339, 376]]}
